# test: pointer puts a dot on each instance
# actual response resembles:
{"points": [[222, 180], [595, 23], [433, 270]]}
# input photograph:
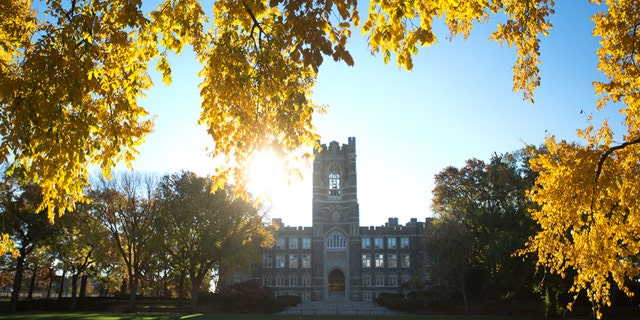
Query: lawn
{"points": [[136, 316]]}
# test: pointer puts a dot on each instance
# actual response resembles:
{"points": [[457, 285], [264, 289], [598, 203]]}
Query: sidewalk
{"points": [[338, 307]]}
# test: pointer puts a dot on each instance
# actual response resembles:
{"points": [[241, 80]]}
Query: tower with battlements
{"points": [[336, 258]]}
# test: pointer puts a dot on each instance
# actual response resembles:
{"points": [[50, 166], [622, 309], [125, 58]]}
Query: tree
{"points": [[38, 261], [27, 230], [85, 64], [82, 235], [589, 212], [488, 201], [126, 209], [450, 247], [205, 230], [589, 216]]}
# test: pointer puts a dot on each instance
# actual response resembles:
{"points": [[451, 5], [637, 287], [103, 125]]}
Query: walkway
{"points": [[338, 307]]}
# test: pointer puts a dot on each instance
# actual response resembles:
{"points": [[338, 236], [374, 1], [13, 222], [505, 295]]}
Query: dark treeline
{"points": [[481, 220], [147, 236], [137, 235]]}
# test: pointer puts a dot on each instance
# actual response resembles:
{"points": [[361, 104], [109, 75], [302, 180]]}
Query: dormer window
{"points": [[334, 184]]}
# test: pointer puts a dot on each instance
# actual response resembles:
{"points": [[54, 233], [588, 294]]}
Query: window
{"points": [[280, 243], [393, 260], [406, 278], [336, 240], [306, 296], [306, 261], [334, 184], [405, 260], [366, 280], [279, 260], [366, 296], [366, 243], [306, 280], [267, 260], [279, 280], [293, 281], [293, 243], [378, 243], [366, 260], [306, 243], [379, 280], [380, 260], [404, 243], [391, 243], [393, 280], [293, 261], [266, 280]]}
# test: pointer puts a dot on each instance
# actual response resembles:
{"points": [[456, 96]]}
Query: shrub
{"points": [[285, 301], [246, 297], [393, 301]]}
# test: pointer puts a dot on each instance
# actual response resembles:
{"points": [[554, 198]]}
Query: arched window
{"points": [[266, 280], [306, 280], [334, 184], [366, 280], [336, 240]]}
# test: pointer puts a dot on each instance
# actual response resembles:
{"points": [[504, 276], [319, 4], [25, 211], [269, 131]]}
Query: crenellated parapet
{"points": [[336, 258], [392, 227], [335, 149]]}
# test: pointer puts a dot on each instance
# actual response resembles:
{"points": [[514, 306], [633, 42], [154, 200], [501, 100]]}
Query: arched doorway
{"points": [[336, 284]]}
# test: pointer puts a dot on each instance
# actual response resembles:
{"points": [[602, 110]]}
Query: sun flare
{"points": [[267, 178]]}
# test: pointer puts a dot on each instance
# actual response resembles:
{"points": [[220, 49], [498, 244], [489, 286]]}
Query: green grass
{"points": [[136, 316]]}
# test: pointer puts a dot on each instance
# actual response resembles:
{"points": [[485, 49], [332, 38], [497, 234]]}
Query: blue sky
{"points": [[456, 104]]}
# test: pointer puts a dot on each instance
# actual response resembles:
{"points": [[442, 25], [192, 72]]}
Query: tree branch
{"points": [[611, 150], [256, 24], [603, 158]]}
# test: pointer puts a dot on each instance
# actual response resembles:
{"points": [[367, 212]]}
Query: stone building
{"points": [[336, 258]]}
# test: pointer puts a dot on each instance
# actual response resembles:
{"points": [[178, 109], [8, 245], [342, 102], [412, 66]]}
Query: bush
{"points": [[285, 301], [246, 297], [393, 301], [431, 300]]}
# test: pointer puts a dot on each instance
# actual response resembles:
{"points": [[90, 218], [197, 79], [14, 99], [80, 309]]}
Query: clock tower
{"points": [[336, 220]]}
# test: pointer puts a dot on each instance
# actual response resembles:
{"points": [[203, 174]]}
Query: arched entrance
{"points": [[336, 284]]}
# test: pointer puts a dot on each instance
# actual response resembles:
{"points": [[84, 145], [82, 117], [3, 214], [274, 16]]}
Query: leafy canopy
{"points": [[589, 212], [72, 76]]}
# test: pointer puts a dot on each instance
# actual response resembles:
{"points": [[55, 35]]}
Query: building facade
{"points": [[336, 258]]}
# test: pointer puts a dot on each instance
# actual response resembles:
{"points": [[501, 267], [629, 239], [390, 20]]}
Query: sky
{"points": [[456, 104]]}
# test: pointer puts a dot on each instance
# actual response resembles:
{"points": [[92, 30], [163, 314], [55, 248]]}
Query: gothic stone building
{"points": [[336, 258]]}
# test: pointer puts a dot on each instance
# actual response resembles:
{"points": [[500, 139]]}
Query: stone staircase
{"points": [[339, 307]]}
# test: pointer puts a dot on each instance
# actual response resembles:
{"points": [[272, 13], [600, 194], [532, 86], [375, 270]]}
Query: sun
{"points": [[267, 178], [280, 185]]}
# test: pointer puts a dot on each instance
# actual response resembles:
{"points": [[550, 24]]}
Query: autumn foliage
{"points": [[72, 73]]}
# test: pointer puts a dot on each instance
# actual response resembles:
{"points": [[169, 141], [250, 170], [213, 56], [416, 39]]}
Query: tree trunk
{"points": [[50, 283], [165, 288], [17, 283], [32, 284], [464, 293], [61, 289], [83, 286], [74, 290], [195, 290], [133, 286], [181, 289]]}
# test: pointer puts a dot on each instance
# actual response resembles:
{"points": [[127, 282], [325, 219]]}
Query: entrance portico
{"points": [[336, 287]]}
